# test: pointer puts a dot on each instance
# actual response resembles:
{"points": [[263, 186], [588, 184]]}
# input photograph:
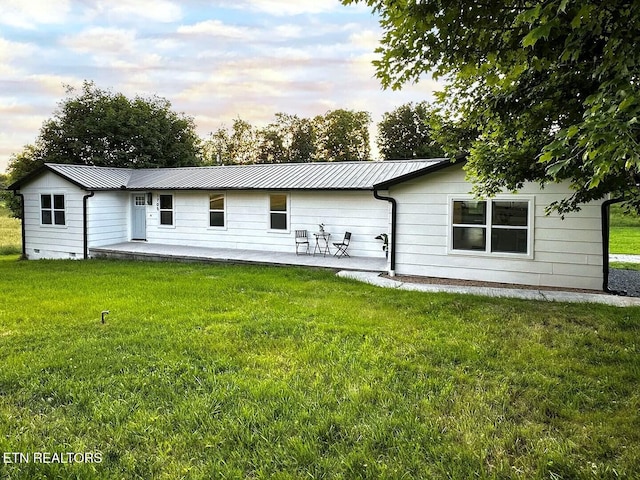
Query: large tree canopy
{"points": [[98, 127], [537, 91], [343, 135], [406, 132]]}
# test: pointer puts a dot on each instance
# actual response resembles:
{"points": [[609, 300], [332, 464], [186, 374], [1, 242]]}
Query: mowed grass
{"points": [[625, 232], [205, 371]]}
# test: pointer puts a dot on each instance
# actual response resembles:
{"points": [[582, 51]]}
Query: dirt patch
{"points": [[473, 283]]}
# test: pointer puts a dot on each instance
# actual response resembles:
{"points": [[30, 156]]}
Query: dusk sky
{"points": [[213, 60]]}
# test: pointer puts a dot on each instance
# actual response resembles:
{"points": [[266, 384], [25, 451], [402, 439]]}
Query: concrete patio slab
{"points": [[159, 252]]}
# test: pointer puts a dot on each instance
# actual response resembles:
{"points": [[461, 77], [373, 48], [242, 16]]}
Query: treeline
{"points": [[97, 127], [339, 135]]}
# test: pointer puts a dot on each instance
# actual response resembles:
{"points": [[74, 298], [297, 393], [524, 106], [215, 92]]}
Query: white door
{"points": [[139, 217]]}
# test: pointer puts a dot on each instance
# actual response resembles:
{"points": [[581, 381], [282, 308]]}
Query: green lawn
{"points": [[255, 372], [625, 232], [10, 233]]}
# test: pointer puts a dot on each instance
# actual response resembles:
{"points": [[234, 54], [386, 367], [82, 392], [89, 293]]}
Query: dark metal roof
{"points": [[93, 178], [84, 176], [286, 176], [283, 176]]}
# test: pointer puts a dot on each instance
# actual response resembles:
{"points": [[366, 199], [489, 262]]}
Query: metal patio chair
{"points": [[341, 247], [302, 239]]}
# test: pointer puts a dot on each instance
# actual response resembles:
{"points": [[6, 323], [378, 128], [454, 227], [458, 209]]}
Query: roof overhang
{"points": [[348, 176], [15, 186], [458, 161]]}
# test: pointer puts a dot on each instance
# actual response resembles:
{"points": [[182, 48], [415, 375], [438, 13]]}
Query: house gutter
{"points": [[392, 243], [85, 233], [604, 213]]}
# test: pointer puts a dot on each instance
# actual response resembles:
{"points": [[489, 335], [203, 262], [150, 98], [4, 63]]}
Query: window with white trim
{"points": [[166, 210], [278, 211], [496, 226], [52, 211], [216, 210]]}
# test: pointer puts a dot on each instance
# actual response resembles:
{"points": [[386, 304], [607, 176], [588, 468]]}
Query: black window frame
{"points": [[53, 209], [504, 229]]}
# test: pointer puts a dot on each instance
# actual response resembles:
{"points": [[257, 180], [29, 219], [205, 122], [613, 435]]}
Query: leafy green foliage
{"points": [[20, 165], [97, 127], [406, 132], [338, 135], [205, 371], [550, 89], [289, 139], [343, 135]]}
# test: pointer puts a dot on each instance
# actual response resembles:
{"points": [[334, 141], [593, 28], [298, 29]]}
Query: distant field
{"points": [[625, 233], [10, 233]]}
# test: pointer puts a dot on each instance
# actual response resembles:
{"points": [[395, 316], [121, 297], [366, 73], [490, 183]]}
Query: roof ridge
{"points": [[83, 165]]}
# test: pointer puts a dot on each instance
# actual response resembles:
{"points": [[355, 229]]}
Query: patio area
{"points": [[160, 252]]}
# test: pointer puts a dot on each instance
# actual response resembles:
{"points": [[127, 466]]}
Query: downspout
{"points": [[24, 240], [85, 233], [604, 213], [392, 243]]}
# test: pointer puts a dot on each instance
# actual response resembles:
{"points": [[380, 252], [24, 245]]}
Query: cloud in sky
{"points": [[214, 60]]}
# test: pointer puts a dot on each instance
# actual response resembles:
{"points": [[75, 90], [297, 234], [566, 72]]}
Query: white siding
{"points": [[53, 241], [247, 220], [108, 216], [566, 253]]}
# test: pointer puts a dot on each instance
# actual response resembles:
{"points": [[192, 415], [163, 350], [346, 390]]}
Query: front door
{"points": [[139, 217]]}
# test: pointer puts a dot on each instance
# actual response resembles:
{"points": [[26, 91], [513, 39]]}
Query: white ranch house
{"points": [[435, 226]]}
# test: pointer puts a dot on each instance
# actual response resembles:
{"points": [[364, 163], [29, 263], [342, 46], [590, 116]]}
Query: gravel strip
{"points": [[625, 280]]}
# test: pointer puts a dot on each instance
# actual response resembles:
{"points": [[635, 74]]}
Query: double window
{"points": [[52, 211], [494, 226]]}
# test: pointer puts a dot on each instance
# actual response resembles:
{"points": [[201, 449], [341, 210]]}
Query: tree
{"points": [[243, 147], [20, 165], [237, 146], [5, 197], [216, 149], [303, 140], [97, 127], [406, 132], [288, 139], [271, 147], [343, 135], [549, 89]]}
